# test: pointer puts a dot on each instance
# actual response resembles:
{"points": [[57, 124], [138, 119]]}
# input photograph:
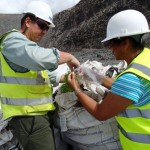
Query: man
{"points": [[26, 93], [129, 99]]}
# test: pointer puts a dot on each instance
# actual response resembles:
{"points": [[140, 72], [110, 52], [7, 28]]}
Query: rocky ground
{"points": [[102, 55]]}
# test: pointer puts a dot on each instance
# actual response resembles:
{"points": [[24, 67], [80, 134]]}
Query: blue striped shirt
{"points": [[132, 87]]}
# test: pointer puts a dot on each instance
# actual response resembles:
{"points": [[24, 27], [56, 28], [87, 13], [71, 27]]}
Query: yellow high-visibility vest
{"points": [[24, 94], [134, 122]]}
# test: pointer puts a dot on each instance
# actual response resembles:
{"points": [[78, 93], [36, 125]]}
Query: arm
{"points": [[23, 52], [110, 106], [107, 82], [71, 61]]}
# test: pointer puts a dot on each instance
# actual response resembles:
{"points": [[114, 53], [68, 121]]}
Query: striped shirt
{"points": [[132, 87]]}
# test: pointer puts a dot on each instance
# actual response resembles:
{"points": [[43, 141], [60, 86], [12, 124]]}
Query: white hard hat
{"points": [[41, 10], [126, 23]]}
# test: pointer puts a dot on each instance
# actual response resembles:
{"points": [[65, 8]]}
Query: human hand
{"points": [[73, 82], [73, 63], [69, 59]]}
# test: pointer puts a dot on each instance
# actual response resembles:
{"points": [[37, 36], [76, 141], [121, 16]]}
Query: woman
{"points": [[129, 98]]}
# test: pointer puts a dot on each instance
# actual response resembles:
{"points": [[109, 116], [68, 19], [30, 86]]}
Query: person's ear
{"points": [[28, 22]]}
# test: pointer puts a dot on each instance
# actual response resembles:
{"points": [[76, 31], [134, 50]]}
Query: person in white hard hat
{"points": [[129, 97], [26, 93]]}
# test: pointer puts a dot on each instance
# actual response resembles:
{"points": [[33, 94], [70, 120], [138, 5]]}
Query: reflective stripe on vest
{"points": [[141, 67], [136, 137], [25, 102], [25, 81], [131, 113], [135, 112]]}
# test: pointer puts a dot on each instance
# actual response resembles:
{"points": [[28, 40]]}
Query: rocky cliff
{"points": [[82, 26]]}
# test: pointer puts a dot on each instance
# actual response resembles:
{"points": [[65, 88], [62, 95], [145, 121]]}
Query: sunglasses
{"points": [[42, 24]]}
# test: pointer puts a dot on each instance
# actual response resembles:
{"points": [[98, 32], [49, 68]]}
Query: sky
{"points": [[17, 6]]}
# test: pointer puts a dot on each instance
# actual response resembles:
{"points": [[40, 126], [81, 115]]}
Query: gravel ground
{"points": [[101, 55]]}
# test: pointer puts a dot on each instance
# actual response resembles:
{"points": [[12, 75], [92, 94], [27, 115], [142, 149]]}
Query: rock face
{"points": [[9, 22], [83, 26]]}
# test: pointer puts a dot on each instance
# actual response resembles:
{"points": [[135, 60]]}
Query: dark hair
{"points": [[136, 41], [30, 15]]}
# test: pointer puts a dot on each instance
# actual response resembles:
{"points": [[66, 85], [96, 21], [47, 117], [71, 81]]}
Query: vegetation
{"points": [[65, 87]]}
